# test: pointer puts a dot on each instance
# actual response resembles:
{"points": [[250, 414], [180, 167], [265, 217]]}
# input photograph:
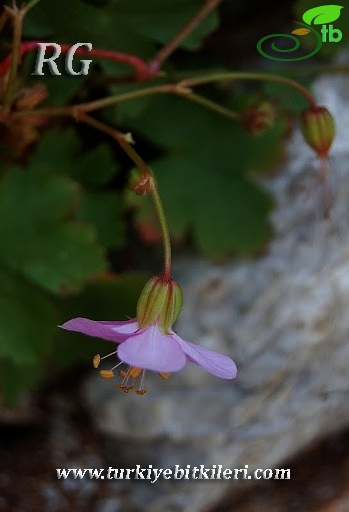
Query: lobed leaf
{"points": [[39, 238]]}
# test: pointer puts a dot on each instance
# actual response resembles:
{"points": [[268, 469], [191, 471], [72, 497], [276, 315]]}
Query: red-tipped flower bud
{"points": [[258, 118], [141, 185], [318, 129], [161, 300]]}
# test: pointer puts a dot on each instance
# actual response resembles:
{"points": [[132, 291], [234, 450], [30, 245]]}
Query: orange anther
{"points": [[164, 375], [106, 374], [96, 360]]}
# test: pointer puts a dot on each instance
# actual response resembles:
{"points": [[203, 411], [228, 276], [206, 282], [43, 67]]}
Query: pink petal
{"points": [[212, 361], [152, 349], [112, 331]]}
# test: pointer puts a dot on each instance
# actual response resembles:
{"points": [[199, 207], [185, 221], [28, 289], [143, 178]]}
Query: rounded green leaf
{"points": [[322, 14]]}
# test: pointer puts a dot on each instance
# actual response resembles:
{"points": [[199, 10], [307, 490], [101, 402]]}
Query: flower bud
{"points": [[318, 129], [258, 118], [141, 185], [161, 301]]}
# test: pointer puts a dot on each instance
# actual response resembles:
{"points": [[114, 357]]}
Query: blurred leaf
{"points": [[96, 166], [27, 319], [60, 87], [59, 151], [126, 25], [204, 175], [108, 298], [104, 210], [39, 239], [286, 98]]}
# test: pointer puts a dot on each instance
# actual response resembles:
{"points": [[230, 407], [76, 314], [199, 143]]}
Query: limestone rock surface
{"points": [[282, 316]]}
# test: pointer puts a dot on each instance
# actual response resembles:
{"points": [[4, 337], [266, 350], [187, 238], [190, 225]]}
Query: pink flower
{"points": [[150, 348], [148, 341]]}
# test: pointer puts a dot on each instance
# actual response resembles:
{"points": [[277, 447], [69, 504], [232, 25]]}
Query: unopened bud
{"points": [[142, 185], [318, 129], [258, 118]]}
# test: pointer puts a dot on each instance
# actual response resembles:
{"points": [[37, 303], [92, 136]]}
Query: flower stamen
{"points": [[107, 374], [141, 390], [164, 375], [97, 359], [132, 372]]}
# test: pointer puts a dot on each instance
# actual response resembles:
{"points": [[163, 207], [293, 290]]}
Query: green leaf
{"points": [[60, 151], [60, 87], [126, 25], [204, 175], [39, 239], [104, 210], [322, 14], [27, 320], [108, 298]]}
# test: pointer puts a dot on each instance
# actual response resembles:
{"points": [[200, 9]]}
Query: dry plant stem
{"points": [[172, 45], [124, 141], [18, 16]]}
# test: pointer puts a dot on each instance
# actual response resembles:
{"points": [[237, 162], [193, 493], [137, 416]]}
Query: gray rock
{"points": [[282, 317]]}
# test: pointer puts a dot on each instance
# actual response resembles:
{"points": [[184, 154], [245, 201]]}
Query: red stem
{"points": [[143, 72]]}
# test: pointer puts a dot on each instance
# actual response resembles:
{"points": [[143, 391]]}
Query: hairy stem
{"points": [[124, 141]]}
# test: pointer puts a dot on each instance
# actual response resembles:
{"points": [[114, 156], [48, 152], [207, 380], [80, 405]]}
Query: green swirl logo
{"points": [[295, 46], [321, 15]]}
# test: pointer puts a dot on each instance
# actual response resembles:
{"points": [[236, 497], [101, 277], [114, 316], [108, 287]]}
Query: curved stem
{"points": [[181, 88], [264, 77], [165, 232], [212, 105], [124, 141]]}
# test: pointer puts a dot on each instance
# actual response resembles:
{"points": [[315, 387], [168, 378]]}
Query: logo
{"points": [[323, 15], [41, 59]]}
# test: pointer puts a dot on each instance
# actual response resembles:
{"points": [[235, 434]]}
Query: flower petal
{"points": [[153, 350], [112, 331], [212, 361]]}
